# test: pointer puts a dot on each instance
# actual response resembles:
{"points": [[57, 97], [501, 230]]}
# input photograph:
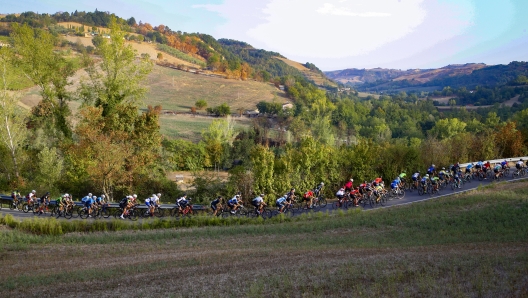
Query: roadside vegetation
{"points": [[473, 244]]}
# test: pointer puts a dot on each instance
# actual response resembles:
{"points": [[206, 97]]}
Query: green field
{"points": [[188, 127], [177, 90], [472, 245]]}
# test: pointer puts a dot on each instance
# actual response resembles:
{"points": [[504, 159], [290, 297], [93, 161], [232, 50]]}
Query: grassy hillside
{"points": [[318, 78], [178, 91], [472, 245]]}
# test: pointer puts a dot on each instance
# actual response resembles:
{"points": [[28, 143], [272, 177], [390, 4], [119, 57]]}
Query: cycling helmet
{"points": [[94, 197], [103, 196], [443, 168], [262, 194], [158, 195], [135, 196], [90, 194], [293, 189], [351, 180], [433, 165], [33, 191], [426, 175], [237, 196]]}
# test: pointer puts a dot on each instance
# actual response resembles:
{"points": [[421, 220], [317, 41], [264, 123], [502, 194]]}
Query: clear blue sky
{"points": [[338, 34]]}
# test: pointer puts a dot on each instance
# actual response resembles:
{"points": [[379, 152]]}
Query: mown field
{"points": [[179, 90], [472, 245]]}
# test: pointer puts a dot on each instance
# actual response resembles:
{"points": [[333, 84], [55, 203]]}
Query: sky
{"points": [[337, 34]]}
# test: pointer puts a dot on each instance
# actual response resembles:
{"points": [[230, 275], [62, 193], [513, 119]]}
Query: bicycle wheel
{"points": [[336, 205], [480, 176], [68, 213], [383, 200], [133, 214], [106, 213], [266, 213], [158, 212], [507, 172], [400, 194], [421, 190], [322, 202], [83, 213]]}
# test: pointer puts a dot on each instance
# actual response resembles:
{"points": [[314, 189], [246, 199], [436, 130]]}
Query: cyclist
{"points": [[497, 170], [290, 196], [214, 205], [44, 200], [469, 167], [234, 203], [125, 203], [31, 198], [15, 195], [402, 178], [487, 166], [432, 170], [416, 178], [148, 204], [519, 165], [154, 202], [89, 203], [100, 201], [340, 194], [455, 168], [424, 181], [259, 203], [317, 190], [442, 174], [67, 202], [354, 194], [434, 182], [504, 164], [308, 196], [281, 203], [182, 202], [395, 183], [349, 185]]}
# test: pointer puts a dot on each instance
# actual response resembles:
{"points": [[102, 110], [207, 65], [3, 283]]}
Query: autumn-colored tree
{"points": [[509, 141]]}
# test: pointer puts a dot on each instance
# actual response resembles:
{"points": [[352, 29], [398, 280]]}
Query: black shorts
{"points": [[255, 203]]}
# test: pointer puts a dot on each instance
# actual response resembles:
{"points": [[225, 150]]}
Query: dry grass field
{"points": [[472, 245], [316, 77], [179, 90]]}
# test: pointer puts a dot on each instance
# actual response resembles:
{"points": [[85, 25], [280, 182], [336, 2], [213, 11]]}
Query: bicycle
{"points": [[342, 203], [240, 211], [289, 209], [16, 204], [132, 213], [398, 193], [263, 212], [187, 211]]}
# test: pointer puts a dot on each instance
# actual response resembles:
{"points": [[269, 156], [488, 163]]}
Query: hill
{"points": [[378, 77]]}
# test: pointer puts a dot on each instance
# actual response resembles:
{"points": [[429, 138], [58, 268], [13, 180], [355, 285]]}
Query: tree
{"points": [[13, 131], [509, 141], [117, 78], [218, 136], [200, 104], [49, 71], [447, 128], [50, 165]]}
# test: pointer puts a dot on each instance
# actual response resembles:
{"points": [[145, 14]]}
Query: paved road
{"points": [[410, 197]]}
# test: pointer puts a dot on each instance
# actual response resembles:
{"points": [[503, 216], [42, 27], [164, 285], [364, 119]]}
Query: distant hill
{"points": [[380, 76]]}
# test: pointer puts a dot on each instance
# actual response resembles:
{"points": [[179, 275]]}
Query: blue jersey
{"points": [[480, 163], [99, 200], [85, 199], [416, 175], [504, 163], [469, 166], [281, 200], [431, 169], [233, 201]]}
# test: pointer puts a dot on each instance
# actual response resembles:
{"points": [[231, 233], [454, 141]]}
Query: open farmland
{"points": [[189, 127], [471, 245], [179, 90]]}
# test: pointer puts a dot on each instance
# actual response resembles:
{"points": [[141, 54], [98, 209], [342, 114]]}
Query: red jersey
{"points": [[308, 194], [348, 185]]}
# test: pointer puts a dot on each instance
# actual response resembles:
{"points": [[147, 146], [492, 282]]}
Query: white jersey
{"points": [[340, 192], [154, 200], [182, 199], [258, 199], [520, 163]]}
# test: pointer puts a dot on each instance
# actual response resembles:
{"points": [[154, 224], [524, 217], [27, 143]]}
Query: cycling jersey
{"points": [[233, 201], [257, 201], [340, 192], [394, 184], [415, 176], [281, 200], [430, 170]]}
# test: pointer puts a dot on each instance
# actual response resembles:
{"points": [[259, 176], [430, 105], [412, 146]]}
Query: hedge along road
{"points": [[410, 197]]}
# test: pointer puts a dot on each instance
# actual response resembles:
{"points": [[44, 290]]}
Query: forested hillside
{"points": [[233, 58]]}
